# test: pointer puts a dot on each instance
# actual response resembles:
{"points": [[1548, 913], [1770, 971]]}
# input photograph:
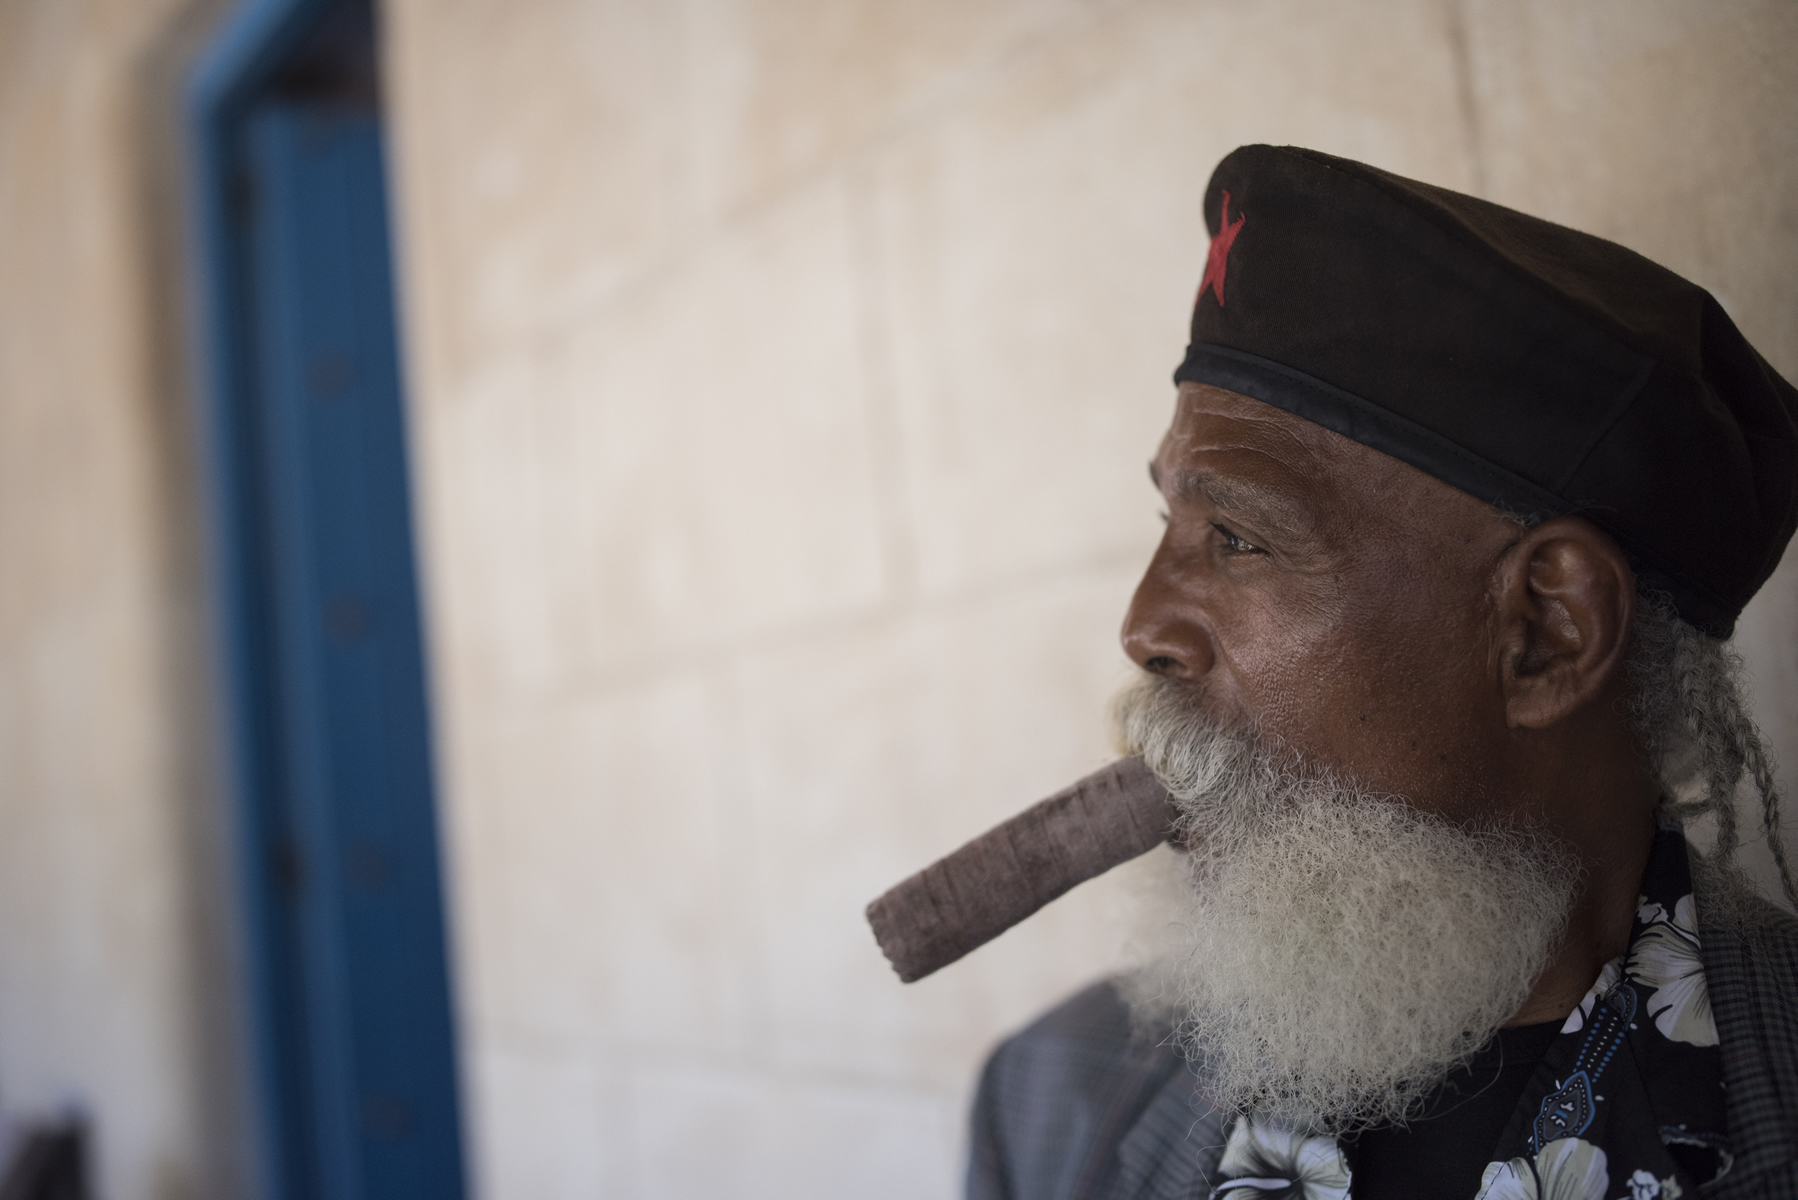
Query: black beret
{"points": [[1537, 368]]}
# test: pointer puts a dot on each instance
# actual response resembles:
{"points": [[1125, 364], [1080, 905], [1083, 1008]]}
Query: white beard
{"points": [[1338, 951]]}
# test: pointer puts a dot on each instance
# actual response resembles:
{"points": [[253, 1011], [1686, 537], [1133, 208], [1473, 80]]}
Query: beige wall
{"points": [[114, 981], [782, 372]]}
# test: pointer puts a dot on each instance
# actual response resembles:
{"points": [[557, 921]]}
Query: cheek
{"points": [[1393, 693], [1284, 655]]}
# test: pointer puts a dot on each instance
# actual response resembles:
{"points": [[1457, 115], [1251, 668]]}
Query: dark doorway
{"points": [[319, 599]]}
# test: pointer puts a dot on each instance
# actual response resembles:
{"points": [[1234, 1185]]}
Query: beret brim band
{"points": [[1359, 420]]}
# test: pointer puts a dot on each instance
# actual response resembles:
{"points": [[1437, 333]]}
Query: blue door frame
{"points": [[324, 669]]}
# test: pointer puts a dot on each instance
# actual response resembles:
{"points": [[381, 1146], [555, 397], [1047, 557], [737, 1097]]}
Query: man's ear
{"points": [[1566, 594]]}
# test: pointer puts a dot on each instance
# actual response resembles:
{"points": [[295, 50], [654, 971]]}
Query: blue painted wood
{"points": [[321, 651]]}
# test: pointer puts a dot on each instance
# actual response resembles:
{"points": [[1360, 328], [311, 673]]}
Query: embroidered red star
{"points": [[1219, 258]]}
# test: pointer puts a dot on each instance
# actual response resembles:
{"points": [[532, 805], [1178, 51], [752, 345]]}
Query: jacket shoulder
{"points": [[1751, 975], [1056, 1099]]}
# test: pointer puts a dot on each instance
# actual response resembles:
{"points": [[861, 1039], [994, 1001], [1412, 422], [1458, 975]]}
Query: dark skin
{"points": [[1388, 625]]}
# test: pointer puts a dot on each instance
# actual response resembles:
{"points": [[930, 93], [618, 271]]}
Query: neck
{"points": [[1604, 809]]}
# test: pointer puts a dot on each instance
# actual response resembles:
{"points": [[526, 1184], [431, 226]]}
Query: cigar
{"points": [[964, 901]]}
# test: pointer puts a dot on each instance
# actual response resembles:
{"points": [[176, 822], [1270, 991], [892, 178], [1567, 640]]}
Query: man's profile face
{"points": [[1331, 720], [1331, 597]]}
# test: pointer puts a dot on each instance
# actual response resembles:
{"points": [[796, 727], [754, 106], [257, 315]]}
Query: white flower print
{"points": [[1608, 975], [1270, 1159], [1665, 957], [1644, 1186], [1565, 1169]]}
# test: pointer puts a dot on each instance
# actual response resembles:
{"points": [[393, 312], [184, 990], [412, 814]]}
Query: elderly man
{"points": [[1460, 507]]}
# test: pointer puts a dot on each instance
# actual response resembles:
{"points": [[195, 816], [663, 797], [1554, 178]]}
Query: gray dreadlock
{"points": [[1688, 710]]}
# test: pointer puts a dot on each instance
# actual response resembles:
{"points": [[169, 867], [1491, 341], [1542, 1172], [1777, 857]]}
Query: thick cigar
{"points": [[971, 897]]}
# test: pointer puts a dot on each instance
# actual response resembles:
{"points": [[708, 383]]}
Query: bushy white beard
{"points": [[1341, 951]]}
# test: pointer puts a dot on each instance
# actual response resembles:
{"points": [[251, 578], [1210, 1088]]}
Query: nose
{"points": [[1165, 632]]}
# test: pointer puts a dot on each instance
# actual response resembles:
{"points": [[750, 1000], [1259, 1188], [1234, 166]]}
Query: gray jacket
{"points": [[1072, 1109]]}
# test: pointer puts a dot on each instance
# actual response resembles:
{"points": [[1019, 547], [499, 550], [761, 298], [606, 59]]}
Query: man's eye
{"points": [[1237, 545]]}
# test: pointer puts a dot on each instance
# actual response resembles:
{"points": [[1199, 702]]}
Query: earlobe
{"points": [[1566, 597]]}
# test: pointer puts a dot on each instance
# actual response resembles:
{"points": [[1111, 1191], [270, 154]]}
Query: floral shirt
{"points": [[1626, 1105]]}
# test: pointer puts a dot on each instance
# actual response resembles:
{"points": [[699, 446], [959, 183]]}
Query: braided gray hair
{"points": [[1688, 710]]}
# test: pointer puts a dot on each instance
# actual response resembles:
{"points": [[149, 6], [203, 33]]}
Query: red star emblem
{"points": [[1219, 258]]}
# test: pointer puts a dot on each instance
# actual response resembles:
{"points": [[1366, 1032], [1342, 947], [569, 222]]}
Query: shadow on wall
{"points": [[47, 1162]]}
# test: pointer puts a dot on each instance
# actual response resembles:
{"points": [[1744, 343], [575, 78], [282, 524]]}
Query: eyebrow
{"points": [[1271, 508]]}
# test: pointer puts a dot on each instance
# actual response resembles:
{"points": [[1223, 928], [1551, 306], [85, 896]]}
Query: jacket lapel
{"points": [[1753, 982], [1172, 1150]]}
